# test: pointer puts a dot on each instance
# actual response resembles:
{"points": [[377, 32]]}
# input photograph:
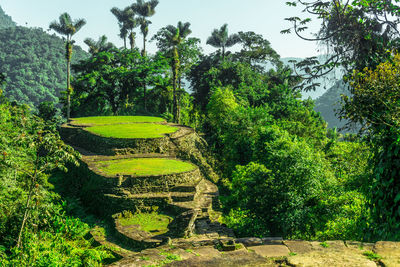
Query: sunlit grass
{"points": [[143, 166], [149, 222], [134, 130], [104, 120]]}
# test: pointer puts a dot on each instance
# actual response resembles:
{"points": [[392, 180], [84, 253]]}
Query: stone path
{"points": [[273, 252]]}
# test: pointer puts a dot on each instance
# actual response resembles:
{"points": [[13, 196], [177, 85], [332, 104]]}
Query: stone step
{"points": [[184, 188], [183, 197], [174, 196]]}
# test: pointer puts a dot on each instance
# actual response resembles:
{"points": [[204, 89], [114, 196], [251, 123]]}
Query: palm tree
{"points": [[172, 37], [127, 23], [144, 10], [68, 27], [221, 39], [98, 46]]}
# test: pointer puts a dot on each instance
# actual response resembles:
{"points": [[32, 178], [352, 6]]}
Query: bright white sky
{"points": [[264, 17]]}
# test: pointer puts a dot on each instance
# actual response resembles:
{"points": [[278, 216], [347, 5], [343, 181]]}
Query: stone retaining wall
{"points": [[80, 137]]}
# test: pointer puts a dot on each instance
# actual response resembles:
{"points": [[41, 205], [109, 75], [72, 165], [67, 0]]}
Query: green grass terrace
{"points": [[143, 166], [107, 120], [132, 130], [153, 223]]}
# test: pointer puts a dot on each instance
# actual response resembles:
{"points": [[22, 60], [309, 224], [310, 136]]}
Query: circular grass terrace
{"points": [[107, 120], [153, 223], [143, 166], [132, 130]]}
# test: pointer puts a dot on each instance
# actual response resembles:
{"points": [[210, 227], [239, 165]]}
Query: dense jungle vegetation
{"points": [[34, 63], [283, 172]]}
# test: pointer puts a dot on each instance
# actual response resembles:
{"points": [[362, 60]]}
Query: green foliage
{"points": [[221, 105], [34, 64], [29, 150], [113, 83], [372, 256], [47, 111], [375, 104], [375, 96], [357, 34], [282, 189], [181, 52], [221, 39]]}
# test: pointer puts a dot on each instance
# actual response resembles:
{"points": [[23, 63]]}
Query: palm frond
{"points": [[78, 24], [232, 40]]}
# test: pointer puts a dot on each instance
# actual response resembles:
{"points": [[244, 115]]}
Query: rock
{"points": [[359, 245], [272, 240], [336, 244], [240, 258], [183, 224], [298, 246], [389, 251], [271, 250], [249, 241], [227, 245], [208, 251]]}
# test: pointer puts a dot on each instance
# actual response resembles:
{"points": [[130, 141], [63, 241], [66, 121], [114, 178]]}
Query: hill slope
{"points": [[329, 103], [5, 20], [34, 63], [325, 82]]}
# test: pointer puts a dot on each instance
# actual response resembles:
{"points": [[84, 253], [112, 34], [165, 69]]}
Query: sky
{"points": [[264, 17]]}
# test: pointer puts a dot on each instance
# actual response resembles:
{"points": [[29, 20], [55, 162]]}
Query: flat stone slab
{"points": [[208, 251], [360, 245], [231, 259], [249, 241], [390, 253], [271, 250], [330, 258], [272, 240], [298, 246]]}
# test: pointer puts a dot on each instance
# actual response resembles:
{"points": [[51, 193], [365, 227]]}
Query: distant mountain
{"points": [[329, 103], [325, 82], [5, 20]]}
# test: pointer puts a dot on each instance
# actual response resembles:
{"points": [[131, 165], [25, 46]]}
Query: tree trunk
{"points": [[223, 52], [132, 40], [144, 96], [144, 46], [28, 201], [69, 89], [175, 71], [125, 42]]}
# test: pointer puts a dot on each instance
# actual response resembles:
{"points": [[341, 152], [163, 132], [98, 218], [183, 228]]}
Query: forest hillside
{"points": [[34, 63], [5, 20]]}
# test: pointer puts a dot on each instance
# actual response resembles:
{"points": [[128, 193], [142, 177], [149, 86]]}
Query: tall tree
{"points": [[98, 46], [144, 10], [357, 34], [127, 23], [168, 40], [220, 38], [68, 27]]}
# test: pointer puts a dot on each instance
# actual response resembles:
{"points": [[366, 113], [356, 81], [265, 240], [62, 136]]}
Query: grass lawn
{"points": [[143, 166], [104, 120], [134, 130], [149, 222]]}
